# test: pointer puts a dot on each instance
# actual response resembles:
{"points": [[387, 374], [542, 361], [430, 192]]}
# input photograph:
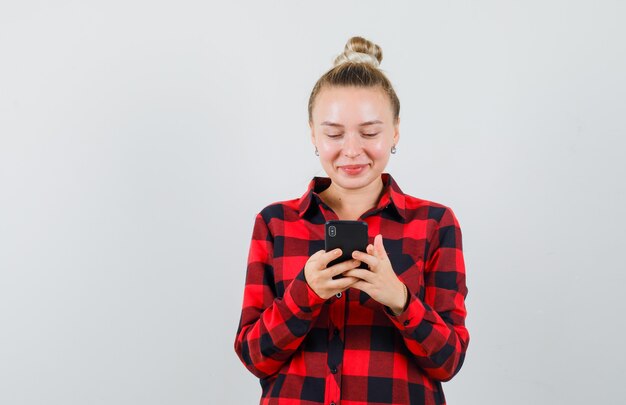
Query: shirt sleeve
{"points": [[434, 328], [271, 327]]}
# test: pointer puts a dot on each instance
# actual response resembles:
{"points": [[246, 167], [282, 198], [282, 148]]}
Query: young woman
{"points": [[389, 334]]}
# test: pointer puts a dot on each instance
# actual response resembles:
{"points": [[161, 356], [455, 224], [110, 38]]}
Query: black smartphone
{"points": [[348, 236]]}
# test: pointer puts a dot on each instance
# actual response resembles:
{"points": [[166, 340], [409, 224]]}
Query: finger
{"points": [[361, 274], [342, 284], [340, 268], [370, 260], [362, 286], [370, 249], [317, 255], [379, 247], [327, 257]]}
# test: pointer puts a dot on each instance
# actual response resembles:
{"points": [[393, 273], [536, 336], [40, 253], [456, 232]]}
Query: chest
{"points": [[406, 245]]}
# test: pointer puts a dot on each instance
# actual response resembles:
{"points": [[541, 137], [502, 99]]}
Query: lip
{"points": [[353, 170]]}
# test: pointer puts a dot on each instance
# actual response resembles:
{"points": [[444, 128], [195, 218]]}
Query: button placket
{"points": [[336, 320]]}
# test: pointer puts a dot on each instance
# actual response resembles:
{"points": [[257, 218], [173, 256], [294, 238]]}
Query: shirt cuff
{"points": [[412, 315], [300, 297]]}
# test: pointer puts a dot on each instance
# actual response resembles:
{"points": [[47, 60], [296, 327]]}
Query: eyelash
{"points": [[366, 135]]}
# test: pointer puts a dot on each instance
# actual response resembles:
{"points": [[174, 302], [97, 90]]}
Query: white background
{"points": [[138, 139]]}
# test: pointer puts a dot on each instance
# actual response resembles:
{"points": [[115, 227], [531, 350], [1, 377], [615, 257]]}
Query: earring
{"points": [[316, 152], [393, 149]]}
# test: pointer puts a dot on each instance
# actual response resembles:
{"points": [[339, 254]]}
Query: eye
{"points": [[333, 135], [371, 135]]}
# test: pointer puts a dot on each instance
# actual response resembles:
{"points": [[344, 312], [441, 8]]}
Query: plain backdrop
{"points": [[138, 140]]}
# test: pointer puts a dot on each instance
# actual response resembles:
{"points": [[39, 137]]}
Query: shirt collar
{"points": [[392, 195]]}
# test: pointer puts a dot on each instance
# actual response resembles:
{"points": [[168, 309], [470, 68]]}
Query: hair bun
{"points": [[360, 50]]}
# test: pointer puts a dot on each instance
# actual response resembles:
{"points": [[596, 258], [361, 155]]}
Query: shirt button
{"points": [[406, 323], [333, 370], [332, 403], [338, 295]]}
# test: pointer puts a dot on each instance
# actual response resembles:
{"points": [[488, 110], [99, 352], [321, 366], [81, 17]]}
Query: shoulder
{"points": [[422, 209], [425, 212], [280, 210]]}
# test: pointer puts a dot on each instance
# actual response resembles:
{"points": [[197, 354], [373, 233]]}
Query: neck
{"points": [[351, 204]]}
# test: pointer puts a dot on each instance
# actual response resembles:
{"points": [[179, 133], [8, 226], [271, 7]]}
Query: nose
{"points": [[352, 145]]}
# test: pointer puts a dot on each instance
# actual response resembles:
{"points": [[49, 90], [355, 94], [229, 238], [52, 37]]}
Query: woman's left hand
{"points": [[380, 282]]}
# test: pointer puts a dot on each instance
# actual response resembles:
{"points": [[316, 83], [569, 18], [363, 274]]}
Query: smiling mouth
{"points": [[352, 169]]}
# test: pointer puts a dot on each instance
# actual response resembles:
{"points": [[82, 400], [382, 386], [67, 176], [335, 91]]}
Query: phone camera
{"points": [[332, 231]]}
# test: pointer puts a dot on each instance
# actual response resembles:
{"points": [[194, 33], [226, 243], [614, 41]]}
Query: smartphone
{"points": [[348, 236]]}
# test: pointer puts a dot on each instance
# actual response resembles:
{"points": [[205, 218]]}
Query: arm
{"points": [[272, 328], [434, 329]]}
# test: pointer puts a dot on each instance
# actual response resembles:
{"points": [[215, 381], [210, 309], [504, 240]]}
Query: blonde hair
{"points": [[357, 66]]}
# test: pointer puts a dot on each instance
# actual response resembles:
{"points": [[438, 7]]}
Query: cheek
{"points": [[380, 150], [327, 154], [329, 149]]}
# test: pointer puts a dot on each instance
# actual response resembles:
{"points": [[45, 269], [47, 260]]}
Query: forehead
{"points": [[352, 105]]}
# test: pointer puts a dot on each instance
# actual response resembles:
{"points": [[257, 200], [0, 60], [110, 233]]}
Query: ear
{"points": [[312, 133], [396, 132]]}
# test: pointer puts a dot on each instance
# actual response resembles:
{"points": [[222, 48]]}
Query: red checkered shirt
{"points": [[350, 349]]}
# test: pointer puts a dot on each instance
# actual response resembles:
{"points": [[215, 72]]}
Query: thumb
{"points": [[379, 247]]}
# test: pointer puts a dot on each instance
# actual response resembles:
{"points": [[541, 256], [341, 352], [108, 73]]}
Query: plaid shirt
{"points": [[350, 349]]}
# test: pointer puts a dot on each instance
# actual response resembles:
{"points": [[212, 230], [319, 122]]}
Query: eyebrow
{"points": [[334, 124]]}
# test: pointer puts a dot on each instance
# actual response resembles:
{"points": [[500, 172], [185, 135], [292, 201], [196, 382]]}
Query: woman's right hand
{"points": [[320, 278]]}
